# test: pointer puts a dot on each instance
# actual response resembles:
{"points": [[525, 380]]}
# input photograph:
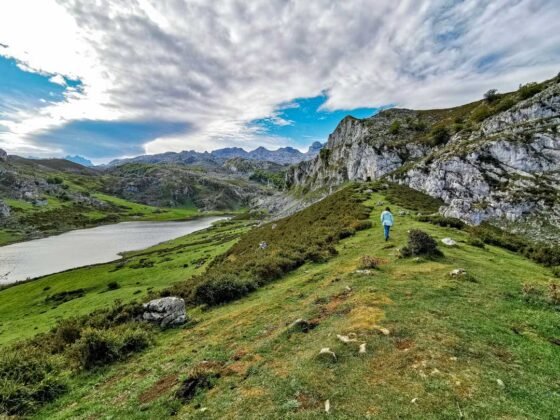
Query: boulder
{"points": [[4, 210], [458, 272], [449, 242], [166, 312], [3, 155]]}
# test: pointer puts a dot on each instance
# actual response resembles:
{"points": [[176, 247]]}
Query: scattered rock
{"points": [[414, 400], [449, 242], [274, 226], [4, 210], [167, 311], [458, 272], [350, 338], [369, 191], [380, 203], [500, 383], [348, 289], [403, 213], [363, 271], [327, 352], [362, 348], [327, 406], [263, 245], [383, 330]]}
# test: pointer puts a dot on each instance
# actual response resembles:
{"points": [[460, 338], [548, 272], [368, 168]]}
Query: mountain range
{"points": [[282, 156]]}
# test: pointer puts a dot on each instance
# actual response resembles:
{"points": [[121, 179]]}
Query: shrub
{"points": [[100, 347], [404, 196], [113, 285], [439, 135], [420, 243], [528, 90], [442, 221], [505, 104], [368, 262], [395, 127], [556, 271], [222, 290], [481, 112], [554, 293], [491, 96], [27, 380], [476, 242]]}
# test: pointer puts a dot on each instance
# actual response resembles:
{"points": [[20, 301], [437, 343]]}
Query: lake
{"points": [[78, 248]]}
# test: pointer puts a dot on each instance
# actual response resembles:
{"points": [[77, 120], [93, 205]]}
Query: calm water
{"points": [[82, 247]]}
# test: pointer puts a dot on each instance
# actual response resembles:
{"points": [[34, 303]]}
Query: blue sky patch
{"points": [[304, 122], [22, 90], [107, 139]]}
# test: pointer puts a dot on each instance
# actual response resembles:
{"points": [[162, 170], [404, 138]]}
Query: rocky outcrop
{"points": [[4, 210], [505, 170], [166, 312], [3, 155]]}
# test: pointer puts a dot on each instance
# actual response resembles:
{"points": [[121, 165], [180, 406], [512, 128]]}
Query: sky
{"points": [[106, 79]]}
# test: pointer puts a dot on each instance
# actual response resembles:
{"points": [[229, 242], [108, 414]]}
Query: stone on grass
{"points": [[327, 406], [327, 352], [350, 338], [263, 245], [362, 348], [458, 272], [382, 330], [166, 312], [500, 383], [4, 210], [449, 242]]}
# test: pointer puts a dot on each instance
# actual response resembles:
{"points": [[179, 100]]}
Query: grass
{"points": [[450, 346], [36, 306]]}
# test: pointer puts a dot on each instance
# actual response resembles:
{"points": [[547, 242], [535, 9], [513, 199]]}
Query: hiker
{"points": [[387, 221]]}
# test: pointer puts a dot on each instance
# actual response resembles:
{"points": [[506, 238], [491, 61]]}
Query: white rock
{"points": [[166, 312], [449, 241], [458, 272], [362, 348], [350, 338], [327, 350], [500, 383], [327, 406]]}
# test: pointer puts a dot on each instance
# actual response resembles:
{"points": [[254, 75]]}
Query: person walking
{"points": [[387, 221]]}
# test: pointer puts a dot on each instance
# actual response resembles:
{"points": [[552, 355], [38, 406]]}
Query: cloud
{"points": [[58, 79], [219, 66]]}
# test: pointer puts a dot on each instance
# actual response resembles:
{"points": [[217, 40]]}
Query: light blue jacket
{"points": [[386, 218]]}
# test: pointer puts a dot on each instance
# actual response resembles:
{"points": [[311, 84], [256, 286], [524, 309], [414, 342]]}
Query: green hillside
{"points": [[481, 345]]}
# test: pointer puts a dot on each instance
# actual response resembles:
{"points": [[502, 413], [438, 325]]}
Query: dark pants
{"points": [[387, 229]]}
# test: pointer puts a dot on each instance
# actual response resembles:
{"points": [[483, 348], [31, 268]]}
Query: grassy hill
{"points": [[482, 345]]}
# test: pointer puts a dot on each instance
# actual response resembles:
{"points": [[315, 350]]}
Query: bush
{"points": [[101, 347], [27, 380], [414, 200], [439, 135], [113, 285], [222, 290], [395, 127], [442, 221], [528, 90], [554, 294], [505, 104], [491, 95], [420, 243], [368, 262], [476, 242], [481, 112], [556, 271]]}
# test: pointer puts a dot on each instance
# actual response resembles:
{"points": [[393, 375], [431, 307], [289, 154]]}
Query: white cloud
{"points": [[220, 65], [58, 79]]}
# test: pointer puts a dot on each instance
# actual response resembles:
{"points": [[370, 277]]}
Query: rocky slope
{"points": [[496, 162]]}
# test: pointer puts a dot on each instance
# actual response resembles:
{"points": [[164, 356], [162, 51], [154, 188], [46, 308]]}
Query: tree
{"points": [[491, 95]]}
